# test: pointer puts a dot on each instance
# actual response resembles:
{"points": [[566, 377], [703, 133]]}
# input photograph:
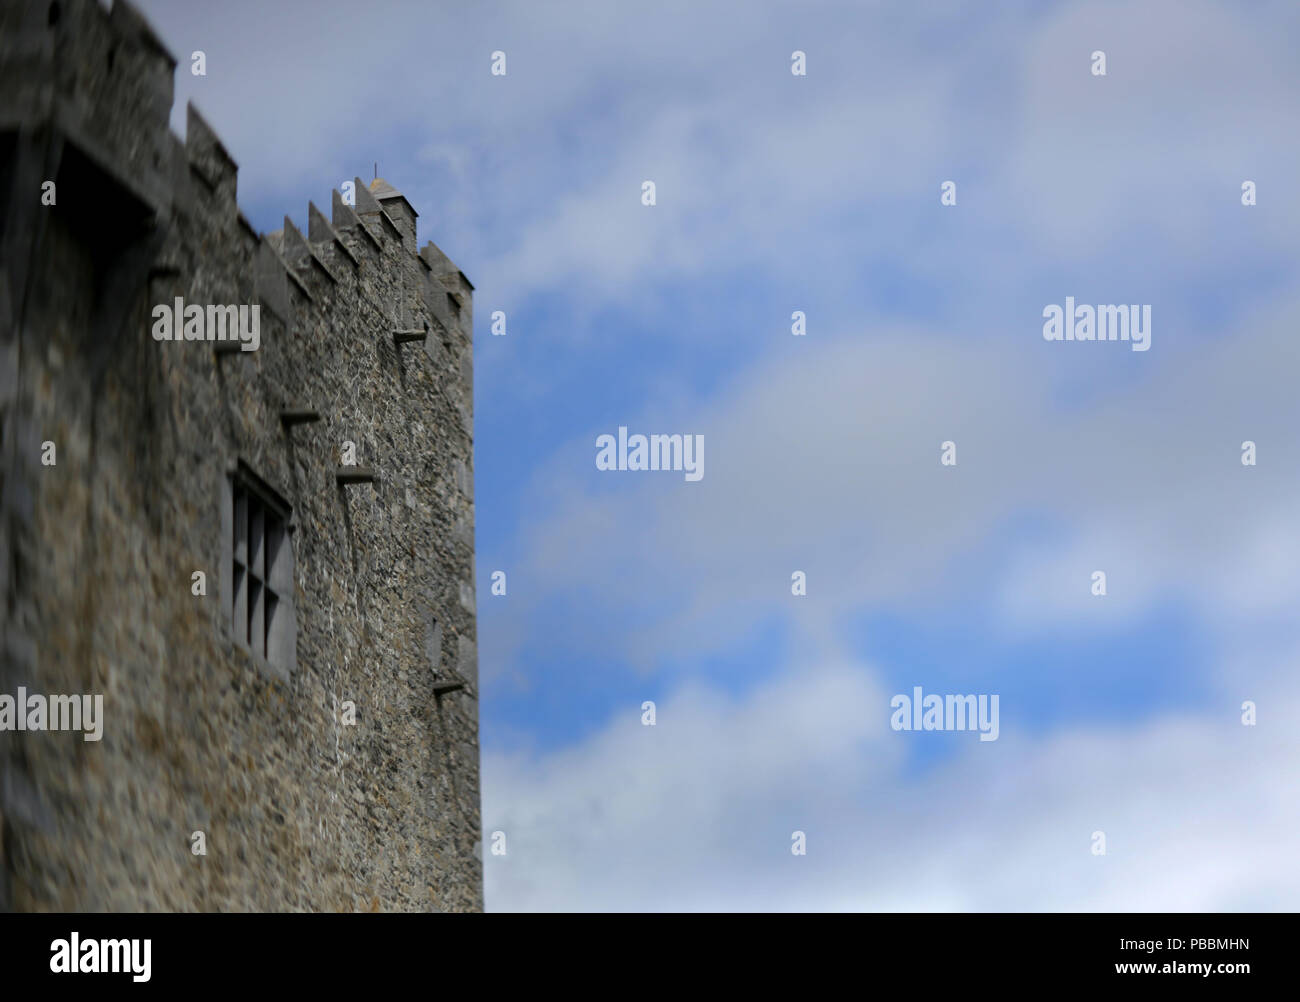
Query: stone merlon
{"points": [[253, 540]]}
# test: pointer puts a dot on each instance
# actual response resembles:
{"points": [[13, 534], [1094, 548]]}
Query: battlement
{"points": [[101, 78], [236, 501], [95, 86]]}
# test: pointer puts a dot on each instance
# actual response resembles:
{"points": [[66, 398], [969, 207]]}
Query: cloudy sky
{"points": [[820, 193]]}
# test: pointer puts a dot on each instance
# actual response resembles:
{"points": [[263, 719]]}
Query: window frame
{"points": [[256, 569]]}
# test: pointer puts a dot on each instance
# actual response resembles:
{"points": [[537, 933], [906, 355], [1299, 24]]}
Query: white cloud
{"points": [[829, 455], [697, 812]]}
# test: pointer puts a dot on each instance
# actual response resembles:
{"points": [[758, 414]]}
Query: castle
{"points": [[261, 559]]}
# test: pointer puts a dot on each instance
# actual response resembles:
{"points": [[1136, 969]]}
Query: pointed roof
{"points": [[384, 192]]}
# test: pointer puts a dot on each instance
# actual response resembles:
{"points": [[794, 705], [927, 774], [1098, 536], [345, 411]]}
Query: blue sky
{"points": [[821, 193]]}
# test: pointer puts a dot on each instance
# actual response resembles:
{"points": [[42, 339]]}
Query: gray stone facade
{"points": [[363, 340]]}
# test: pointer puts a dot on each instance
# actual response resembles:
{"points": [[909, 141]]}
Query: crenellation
{"points": [[109, 88], [327, 243], [298, 284], [303, 258], [209, 158], [349, 224], [201, 730], [271, 285], [371, 213], [366, 203], [131, 23]]}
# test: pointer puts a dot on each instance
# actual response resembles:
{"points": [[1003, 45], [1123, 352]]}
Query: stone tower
{"points": [[236, 506]]}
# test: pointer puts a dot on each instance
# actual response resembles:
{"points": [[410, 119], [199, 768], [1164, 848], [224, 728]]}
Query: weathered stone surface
{"points": [[300, 811]]}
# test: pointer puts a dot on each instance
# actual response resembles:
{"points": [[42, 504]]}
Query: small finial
{"points": [[376, 170]]}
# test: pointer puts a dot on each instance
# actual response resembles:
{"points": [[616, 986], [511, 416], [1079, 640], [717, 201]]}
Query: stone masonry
{"points": [[363, 340]]}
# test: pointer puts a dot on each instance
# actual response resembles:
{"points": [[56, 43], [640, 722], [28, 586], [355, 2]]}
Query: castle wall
{"points": [[299, 810]]}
